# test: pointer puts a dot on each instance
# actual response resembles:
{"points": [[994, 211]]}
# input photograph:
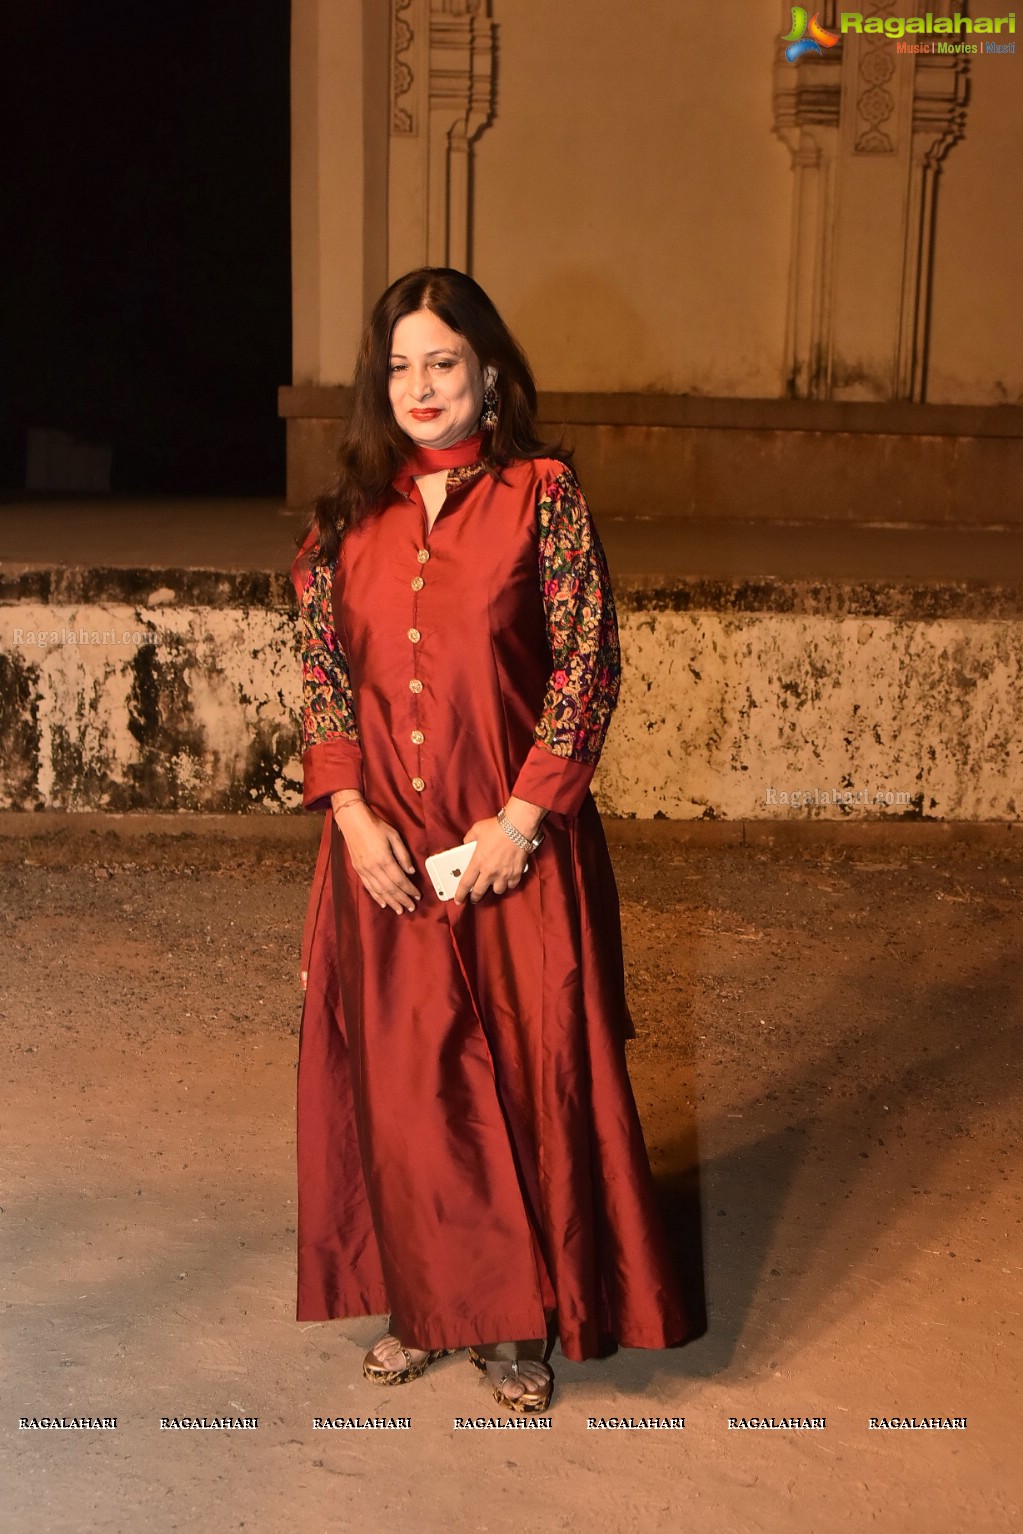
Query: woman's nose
{"points": [[421, 385]]}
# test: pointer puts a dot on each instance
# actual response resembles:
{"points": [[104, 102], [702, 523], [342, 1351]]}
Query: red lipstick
{"points": [[424, 415]]}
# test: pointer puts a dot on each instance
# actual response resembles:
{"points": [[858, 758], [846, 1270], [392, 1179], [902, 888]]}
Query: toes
{"points": [[388, 1354], [525, 1380]]}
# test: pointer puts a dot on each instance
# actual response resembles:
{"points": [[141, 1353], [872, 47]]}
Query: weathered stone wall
{"points": [[773, 701], [180, 698], [761, 715]]}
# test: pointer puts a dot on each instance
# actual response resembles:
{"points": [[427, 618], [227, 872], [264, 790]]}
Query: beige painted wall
{"points": [[338, 180], [631, 201], [633, 204], [977, 316]]}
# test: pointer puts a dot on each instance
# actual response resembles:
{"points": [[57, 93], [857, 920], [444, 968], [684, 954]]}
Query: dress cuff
{"points": [[554, 782], [328, 766]]}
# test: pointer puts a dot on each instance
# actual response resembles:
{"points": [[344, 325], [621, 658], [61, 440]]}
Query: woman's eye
{"points": [[445, 363], [397, 367]]}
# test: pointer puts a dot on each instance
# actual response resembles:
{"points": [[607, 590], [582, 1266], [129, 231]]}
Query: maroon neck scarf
{"points": [[428, 460]]}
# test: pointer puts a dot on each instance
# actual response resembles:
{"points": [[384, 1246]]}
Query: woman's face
{"points": [[436, 383]]}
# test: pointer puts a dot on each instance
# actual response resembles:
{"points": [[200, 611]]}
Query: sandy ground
{"points": [[831, 1036]]}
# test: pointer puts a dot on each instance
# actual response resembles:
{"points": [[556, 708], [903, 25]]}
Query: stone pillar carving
{"points": [[939, 120], [867, 128], [807, 98], [442, 82]]}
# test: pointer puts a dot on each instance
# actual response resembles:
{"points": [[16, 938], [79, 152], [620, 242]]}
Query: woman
{"points": [[470, 1155]]}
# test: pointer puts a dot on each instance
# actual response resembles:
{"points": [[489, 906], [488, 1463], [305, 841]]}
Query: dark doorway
{"points": [[145, 287]]}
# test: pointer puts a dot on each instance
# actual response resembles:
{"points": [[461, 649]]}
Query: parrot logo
{"points": [[819, 38]]}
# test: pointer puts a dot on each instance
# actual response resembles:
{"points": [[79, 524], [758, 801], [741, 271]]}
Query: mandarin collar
{"points": [[429, 460]]}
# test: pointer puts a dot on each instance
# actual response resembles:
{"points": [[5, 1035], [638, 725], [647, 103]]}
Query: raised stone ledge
{"points": [[272, 590], [179, 690], [768, 460], [834, 598], [137, 587], [333, 402]]}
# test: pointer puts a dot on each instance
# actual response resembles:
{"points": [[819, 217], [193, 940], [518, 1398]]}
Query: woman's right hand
{"points": [[378, 854]]}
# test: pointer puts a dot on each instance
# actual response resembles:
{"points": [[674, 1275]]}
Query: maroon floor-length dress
{"points": [[469, 1150]]}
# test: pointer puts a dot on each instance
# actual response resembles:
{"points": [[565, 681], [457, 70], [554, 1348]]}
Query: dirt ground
{"points": [[828, 1069]]}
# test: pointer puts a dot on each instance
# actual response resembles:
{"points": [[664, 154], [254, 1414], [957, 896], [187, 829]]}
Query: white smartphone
{"points": [[446, 868]]}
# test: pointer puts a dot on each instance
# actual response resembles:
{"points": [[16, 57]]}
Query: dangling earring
{"points": [[488, 419]]}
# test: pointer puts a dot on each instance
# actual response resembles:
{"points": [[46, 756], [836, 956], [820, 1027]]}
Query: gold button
{"points": [[418, 737], [423, 556], [418, 785], [418, 583], [414, 635], [415, 685]]}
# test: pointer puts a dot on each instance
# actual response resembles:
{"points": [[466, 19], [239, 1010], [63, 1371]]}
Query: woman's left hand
{"points": [[497, 863]]}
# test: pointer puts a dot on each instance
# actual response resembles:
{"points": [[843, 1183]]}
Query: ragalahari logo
{"points": [[798, 42]]}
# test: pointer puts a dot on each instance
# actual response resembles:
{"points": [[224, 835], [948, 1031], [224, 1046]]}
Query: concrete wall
{"points": [[976, 339], [632, 205], [734, 699], [797, 716], [665, 209], [635, 185], [118, 707], [794, 460]]}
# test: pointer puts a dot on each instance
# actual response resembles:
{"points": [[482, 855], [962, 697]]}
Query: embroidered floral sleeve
{"points": [[327, 707], [582, 630], [582, 626], [331, 754]]}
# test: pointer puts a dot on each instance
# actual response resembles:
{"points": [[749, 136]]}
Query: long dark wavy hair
{"points": [[374, 446]]}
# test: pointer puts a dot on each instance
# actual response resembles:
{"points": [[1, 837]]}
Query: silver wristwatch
{"points": [[516, 835]]}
